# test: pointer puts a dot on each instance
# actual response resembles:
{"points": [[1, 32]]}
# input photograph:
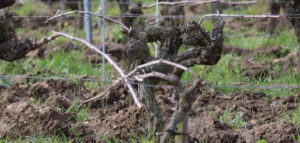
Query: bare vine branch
{"points": [[240, 2], [90, 13], [178, 3], [164, 62], [45, 41], [197, 3], [107, 57], [169, 78], [101, 94]]}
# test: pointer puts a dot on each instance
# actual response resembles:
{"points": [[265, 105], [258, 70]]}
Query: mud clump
{"points": [[61, 101], [20, 118], [280, 132], [40, 90], [123, 120], [67, 88], [122, 124], [204, 128], [251, 105], [84, 132], [13, 94], [58, 93]]}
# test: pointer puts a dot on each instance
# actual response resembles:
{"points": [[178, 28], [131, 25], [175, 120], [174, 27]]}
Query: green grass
{"points": [[257, 39], [59, 63], [67, 63], [296, 138], [262, 141], [30, 7], [81, 113], [37, 138], [296, 118], [235, 121]]}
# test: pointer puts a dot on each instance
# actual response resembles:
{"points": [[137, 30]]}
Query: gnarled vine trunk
{"points": [[207, 50], [10, 47]]}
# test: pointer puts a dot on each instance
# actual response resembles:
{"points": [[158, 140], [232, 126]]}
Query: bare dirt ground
{"points": [[120, 117]]}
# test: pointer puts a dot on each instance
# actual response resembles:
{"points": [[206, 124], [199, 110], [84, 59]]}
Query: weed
{"points": [[262, 141], [296, 118], [234, 121], [81, 113], [36, 138], [296, 139]]}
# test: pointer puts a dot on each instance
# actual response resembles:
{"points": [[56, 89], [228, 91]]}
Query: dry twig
{"points": [[160, 62], [171, 79], [101, 94], [45, 41], [180, 3], [90, 13], [107, 57]]}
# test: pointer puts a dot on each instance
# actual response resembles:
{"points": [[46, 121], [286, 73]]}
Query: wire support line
{"points": [[53, 77], [44, 16], [88, 79], [170, 3], [226, 2], [181, 16], [255, 87], [58, 2]]}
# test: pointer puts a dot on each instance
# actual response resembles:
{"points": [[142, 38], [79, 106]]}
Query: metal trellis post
{"points": [[157, 14], [103, 38], [88, 21]]}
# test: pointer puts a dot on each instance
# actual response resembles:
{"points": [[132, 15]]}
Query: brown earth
{"points": [[254, 106], [121, 118]]}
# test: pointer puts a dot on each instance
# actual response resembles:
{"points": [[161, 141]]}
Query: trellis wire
{"points": [[172, 16], [76, 2], [267, 87], [227, 2]]}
